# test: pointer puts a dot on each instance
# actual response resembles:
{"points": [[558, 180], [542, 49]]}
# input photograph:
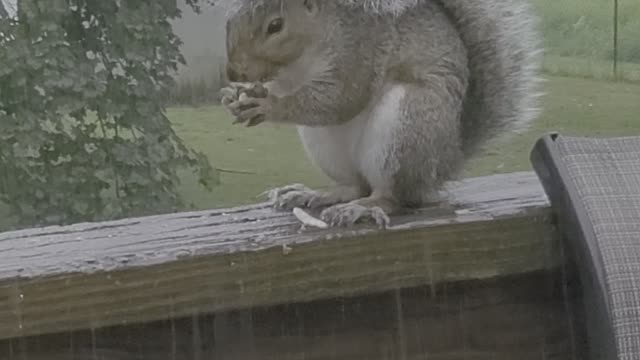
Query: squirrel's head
{"points": [[265, 35]]}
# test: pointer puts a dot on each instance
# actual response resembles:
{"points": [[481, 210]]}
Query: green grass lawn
{"points": [[275, 157], [590, 68]]}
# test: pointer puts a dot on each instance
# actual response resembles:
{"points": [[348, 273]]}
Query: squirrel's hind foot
{"points": [[299, 195], [365, 210]]}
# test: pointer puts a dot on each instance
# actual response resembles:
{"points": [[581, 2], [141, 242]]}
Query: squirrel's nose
{"points": [[235, 76]]}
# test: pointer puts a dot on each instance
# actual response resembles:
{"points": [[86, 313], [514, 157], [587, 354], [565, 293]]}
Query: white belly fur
{"points": [[331, 149], [357, 150]]}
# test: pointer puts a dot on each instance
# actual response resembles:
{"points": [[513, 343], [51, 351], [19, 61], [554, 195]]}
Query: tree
{"points": [[83, 129]]}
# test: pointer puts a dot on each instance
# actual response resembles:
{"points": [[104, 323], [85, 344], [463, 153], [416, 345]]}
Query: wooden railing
{"points": [[168, 268]]}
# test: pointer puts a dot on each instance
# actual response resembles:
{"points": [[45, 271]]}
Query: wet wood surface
{"points": [[138, 270], [531, 316]]}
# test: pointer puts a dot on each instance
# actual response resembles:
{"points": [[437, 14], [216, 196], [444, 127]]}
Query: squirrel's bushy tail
{"points": [[504, 50], [505, 57]]}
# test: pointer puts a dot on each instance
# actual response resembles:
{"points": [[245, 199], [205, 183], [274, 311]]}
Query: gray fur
{"points": [[504, 59], [390, 96], [505, 56]]}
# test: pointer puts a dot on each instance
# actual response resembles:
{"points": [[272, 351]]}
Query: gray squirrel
{"points": [[390, 97]]}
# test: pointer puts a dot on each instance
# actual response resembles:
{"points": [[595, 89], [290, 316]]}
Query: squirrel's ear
{"points": [[311, 5]]}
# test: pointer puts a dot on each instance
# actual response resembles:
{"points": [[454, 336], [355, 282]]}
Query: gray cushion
{"points": [[594, 186]]}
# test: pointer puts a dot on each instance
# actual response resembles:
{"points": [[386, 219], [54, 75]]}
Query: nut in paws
{"points": [[248, 102], [251, 111]]}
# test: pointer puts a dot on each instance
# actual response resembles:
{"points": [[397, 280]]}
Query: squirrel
{"points": [[390, 97]]}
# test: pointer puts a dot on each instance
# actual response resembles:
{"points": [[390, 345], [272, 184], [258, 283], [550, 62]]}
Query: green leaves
{"points": [[83, 130]]}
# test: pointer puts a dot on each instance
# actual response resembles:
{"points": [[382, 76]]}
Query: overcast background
{"points": [[203, 48]]}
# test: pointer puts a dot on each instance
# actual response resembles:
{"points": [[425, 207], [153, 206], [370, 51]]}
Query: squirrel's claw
{"points": [[351, 213], [273, 194], [289, 196], [294, 199]]}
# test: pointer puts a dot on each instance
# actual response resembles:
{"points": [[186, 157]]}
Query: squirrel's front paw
{"points": [[251, 111], [351, 213], [249, 103]]}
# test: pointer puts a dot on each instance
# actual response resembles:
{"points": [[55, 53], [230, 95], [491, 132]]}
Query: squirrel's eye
{"points": [[275, 26]]}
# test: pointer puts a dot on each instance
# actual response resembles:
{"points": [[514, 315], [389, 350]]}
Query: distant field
{"points": [[578, 37], [590, 68], [275, 157]]}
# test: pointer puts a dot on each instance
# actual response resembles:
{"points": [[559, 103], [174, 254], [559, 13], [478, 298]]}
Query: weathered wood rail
{"points": [[92, 275], [516, 317], [136, 271]]}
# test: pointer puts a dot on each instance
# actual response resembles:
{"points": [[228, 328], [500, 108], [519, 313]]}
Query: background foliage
{"points": [[83, 129]]}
